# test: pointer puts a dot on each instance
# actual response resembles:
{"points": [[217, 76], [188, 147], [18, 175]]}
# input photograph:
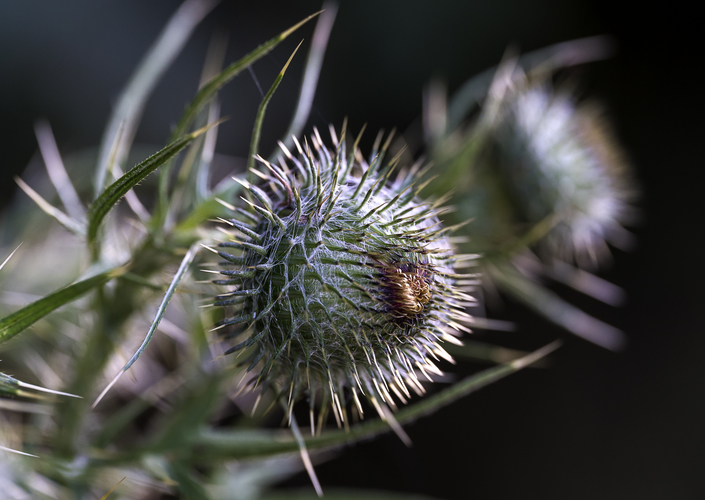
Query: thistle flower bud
{"points": [[561, 165], [344, 282], [536, 172], [536, 169]]}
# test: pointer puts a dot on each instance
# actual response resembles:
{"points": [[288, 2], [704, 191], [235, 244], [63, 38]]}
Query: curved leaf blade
{"points": [[114, 193], [209, 90], [257, 129], [69, 223], [19, 320]]}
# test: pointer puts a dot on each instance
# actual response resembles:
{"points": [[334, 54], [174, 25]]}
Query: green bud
{"points": [[344, 281]]}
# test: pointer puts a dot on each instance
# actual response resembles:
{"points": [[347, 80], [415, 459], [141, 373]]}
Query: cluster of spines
{"points": [[384, 234]]}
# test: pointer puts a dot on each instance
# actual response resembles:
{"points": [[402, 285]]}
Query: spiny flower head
{"points": [[344, 281], [562, 168]]}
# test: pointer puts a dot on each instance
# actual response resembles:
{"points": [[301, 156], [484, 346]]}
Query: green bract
{"points": [[344, 281]]}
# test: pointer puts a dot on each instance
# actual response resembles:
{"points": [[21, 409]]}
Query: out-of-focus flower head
{"points": [[562, 170], [544, 183]]}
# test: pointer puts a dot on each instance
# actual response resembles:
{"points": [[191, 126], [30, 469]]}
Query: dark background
{"points": [[595, 424]]}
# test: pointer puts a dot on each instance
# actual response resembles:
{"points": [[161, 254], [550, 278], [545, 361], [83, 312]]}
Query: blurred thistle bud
{"points": [[562, 170], [538, 173], [344, 282], [537, 169]]}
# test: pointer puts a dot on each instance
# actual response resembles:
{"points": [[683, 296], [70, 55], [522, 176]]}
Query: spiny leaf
{"points": [[19, 320], [208, 92], [10, 450], [113, 193], [305, 456], [10, 256], [11, 385]]}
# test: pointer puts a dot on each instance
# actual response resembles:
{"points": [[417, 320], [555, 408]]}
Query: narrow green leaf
{"points": [[214, 445], [257, 129], [113, 193], [19, 320], [209, 90], [185, 263]]}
